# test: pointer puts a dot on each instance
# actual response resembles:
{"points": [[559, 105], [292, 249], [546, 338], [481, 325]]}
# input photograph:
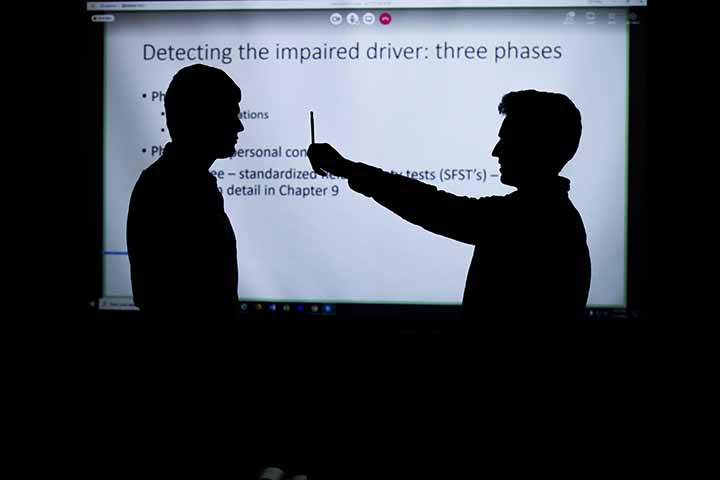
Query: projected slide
{"points": [[411, 91]]}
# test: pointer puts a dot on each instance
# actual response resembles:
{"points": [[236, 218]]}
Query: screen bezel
{"points": [[637, 256]]}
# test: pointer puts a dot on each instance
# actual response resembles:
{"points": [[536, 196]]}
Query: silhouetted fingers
{"points": [[314, 156], [318, 170]]}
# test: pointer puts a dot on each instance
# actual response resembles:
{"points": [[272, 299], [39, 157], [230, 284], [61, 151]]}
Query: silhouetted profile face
{"points": [[539, 135], [521, 154], [203, 111]]}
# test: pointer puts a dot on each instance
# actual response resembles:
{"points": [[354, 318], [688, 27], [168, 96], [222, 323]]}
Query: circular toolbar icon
{"points": [[385, 18], [353, 18], [336, 19], [369, 18]]}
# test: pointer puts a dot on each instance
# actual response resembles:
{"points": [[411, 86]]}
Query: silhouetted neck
{"points": [[187, 158], [550, 185]]}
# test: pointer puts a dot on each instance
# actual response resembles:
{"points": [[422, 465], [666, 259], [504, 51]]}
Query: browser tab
{"points": [[102, 18]]}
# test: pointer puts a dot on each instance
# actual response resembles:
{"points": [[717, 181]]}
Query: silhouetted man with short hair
{"points": [[531, 261], [181, 245]]}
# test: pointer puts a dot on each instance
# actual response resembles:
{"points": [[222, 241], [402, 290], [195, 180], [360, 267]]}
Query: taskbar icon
{"points": [[286, 308]]}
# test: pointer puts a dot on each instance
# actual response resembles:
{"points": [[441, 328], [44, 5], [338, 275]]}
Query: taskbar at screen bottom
{"points": [[313, 309]]}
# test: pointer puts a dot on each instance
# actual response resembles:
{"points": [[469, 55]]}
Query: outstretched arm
{"points": [[424, 205]]}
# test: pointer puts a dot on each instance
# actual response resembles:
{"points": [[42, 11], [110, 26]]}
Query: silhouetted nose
{"points": [[241, 127], [496, 150]]}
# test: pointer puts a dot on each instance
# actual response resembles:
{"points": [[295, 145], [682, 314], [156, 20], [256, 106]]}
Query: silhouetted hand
{"points": [[325, 159]]}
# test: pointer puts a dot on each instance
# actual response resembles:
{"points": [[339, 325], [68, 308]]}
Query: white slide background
{"points": [[424, 114]]}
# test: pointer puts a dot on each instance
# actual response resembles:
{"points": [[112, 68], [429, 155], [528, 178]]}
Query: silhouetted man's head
{"points": [[202, 110], [539, 135]]}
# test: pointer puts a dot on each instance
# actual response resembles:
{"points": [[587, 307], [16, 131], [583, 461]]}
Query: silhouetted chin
{"points": [[227, 153], [505, 180]]}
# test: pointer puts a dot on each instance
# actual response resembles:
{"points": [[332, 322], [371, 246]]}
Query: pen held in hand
{"points": [[317, 169], [312, 127]]}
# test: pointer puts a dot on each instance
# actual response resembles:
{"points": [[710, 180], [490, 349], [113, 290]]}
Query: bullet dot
{"points": [[144, 150], [163, 114], [162, 129], [144, 95]]}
